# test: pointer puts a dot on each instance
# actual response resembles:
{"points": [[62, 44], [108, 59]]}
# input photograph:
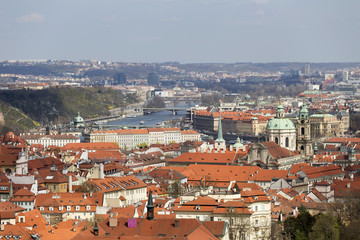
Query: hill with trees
{"points": [[59, 105], [12, 119]]}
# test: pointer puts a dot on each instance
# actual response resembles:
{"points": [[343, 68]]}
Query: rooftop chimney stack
{"points": [[101, 169], [70, 184]]}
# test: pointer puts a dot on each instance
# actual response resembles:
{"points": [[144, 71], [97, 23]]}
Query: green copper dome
{"points": [[78, 119], [238, 144], [280, 124], [304, 113], [351, 150], [280, 108]]}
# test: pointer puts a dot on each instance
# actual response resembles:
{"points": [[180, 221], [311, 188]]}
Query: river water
{"points": [[153, 119]]}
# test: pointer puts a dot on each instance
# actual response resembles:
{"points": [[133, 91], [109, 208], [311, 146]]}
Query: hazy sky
{"points": [[181, 30]]}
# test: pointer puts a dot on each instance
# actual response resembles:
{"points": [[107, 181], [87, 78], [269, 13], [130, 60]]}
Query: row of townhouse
{"points": [[58, 207], [248, 217], [47, 140], [108, 192], [130, 138]]}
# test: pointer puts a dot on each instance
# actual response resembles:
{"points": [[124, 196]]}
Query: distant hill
{"points": [[12, 119], [62, 104]]}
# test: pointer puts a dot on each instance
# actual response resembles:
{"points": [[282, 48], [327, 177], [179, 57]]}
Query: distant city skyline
{"points": [[223, 31]]}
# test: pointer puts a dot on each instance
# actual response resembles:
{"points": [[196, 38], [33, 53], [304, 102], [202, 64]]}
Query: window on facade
{"points": [[302, 131], [243, 236], [287, 142], [77, 208], [276, 140]]}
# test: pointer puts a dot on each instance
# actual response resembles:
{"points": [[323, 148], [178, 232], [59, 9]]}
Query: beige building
{"points": [[131, 138], [57, 207], [46, 140], [120, 191], [328, 125], [248, 216]]}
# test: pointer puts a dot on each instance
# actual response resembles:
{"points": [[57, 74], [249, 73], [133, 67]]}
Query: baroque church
{"points": [[286, 144]]}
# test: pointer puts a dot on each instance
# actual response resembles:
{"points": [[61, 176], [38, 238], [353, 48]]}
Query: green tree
{"points": [[326, 227], [176, 189], [156, 102], [299, 227], [142, 145]]}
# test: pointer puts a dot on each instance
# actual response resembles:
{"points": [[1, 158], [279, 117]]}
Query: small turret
{"points": [[280, 112], [150, 207], [352, 154], [304, 113], [96, 229]]}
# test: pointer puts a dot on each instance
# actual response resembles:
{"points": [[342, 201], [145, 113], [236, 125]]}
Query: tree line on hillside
{"points": [[62, 104]]}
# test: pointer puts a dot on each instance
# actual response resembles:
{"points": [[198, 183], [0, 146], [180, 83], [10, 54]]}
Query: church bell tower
{"points": [[303, 143]]}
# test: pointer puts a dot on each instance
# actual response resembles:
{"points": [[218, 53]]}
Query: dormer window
{"points": [[51, 208], [68, 208], [77, 208]]}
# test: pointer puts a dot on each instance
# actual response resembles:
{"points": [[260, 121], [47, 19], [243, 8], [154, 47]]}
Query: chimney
{"points": [[113, 221], [101, 169], [70, 184], [352, 177], [2, 227], [177, 222], [348, 185], [96, 229]]}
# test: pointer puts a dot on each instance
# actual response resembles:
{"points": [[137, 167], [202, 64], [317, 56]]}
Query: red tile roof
{"points": [[90, 146], [278, 152]]}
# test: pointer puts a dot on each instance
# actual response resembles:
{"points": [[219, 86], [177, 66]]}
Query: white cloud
{"points": [[260, 12], [260, 1], [31, 18]]}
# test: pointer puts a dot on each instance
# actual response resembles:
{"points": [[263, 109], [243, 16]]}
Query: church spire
{"points": [[220, 142], [150, 207], [304, 113], [220, 137], [280, 113]]}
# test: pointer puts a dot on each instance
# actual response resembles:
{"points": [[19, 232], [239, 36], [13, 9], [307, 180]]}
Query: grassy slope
{"points": [[15, 120], [62, 104]]}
